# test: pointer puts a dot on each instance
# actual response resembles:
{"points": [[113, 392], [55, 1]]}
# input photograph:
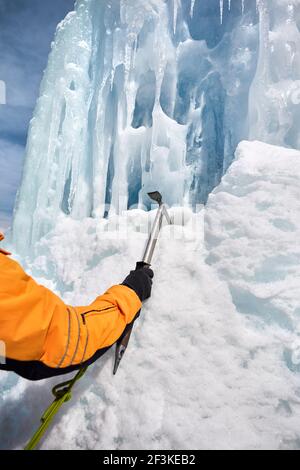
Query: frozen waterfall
{"points": [[141, 95]]}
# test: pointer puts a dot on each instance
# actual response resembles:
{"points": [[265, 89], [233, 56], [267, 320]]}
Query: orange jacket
{"points": [[36, 325]]}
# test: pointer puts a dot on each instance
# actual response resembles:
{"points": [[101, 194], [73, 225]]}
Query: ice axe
{"points": [[162, 212], [62, 392]]}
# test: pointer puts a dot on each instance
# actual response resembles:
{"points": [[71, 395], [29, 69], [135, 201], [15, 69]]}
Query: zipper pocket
{"points": [[95, 312], [86, 341]]}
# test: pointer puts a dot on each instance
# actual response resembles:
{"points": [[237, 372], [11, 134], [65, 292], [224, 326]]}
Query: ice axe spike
{"points": [[162, 212]]}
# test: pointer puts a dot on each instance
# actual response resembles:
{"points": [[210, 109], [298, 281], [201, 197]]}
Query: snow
{"points": [[261, 265], [214, 360]]}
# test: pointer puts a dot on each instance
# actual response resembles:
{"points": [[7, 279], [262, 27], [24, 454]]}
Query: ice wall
{"points": [[140, 95], [274, 109], [137, 95]]}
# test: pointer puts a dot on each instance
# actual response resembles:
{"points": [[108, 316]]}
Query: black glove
{"points": [[140, 281]]}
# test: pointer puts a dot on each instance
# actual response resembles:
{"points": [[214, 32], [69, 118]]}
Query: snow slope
{"points": [[215, 359]]}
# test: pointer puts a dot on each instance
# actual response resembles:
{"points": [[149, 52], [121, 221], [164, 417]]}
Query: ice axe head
{"points": [[156, 196]]}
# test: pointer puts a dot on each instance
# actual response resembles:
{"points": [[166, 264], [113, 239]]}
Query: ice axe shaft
{"points": [[162, 212], [153, 237]]}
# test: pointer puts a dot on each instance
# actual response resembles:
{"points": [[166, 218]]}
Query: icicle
{"points": [[290, 10], [175, 12], [229, 5], [261, 6], [243, 6], [221, 10], [258, 2], [192, 8]]}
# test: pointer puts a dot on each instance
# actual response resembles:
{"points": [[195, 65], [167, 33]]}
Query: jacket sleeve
{"points": [[105, 319], [89, 328], [36, 324]]}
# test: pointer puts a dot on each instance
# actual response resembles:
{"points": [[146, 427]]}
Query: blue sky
{"points": [[27, 28]]}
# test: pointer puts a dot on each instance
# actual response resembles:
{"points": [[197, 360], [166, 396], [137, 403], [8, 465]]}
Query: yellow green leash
{"points": [[62, 393]]}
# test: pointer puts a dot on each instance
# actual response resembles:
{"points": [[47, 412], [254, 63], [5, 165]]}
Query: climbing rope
{"points": [[62, 393]]}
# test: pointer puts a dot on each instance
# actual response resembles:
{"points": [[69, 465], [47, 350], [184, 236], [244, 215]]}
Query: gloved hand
{"points": [[140, 281]]}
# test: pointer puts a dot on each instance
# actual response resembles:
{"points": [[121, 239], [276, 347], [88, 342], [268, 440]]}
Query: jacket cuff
{"points": [[125, 298]]}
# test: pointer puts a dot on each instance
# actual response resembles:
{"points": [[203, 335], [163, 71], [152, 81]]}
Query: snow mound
{"points": [[252, 233], [212, 363]]}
